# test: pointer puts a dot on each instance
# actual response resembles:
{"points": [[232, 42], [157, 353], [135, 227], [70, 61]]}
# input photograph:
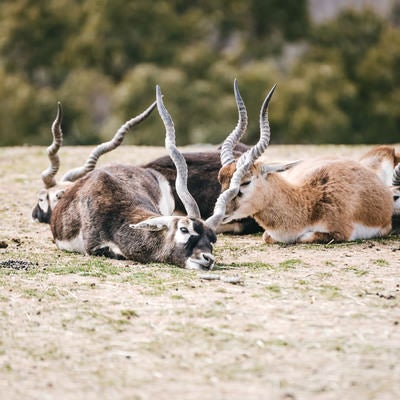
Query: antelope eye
{"points": [[245, 183], [184, 230]]}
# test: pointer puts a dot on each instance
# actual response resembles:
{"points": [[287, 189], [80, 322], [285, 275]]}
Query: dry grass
{"points": [[308, 322]]}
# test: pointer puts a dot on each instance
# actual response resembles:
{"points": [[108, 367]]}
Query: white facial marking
{"points": [[184, 231], [206, 262], [245, 209], [43, 201]]}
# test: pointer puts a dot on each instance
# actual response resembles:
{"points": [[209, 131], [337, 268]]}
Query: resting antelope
{"points": [[203, 170], [318, 200], [53, 191], [125, 212]]}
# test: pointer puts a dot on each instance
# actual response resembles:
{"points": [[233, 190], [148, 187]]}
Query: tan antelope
{"points": [[125, 212], [318, 200], [53, 191]]}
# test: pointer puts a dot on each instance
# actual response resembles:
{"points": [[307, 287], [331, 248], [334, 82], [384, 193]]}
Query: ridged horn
{"points": [[225, 197], [106, 147], [49, 174], [242, 166], [191, 207], [227, 156], [265, 134], [396, 176]]}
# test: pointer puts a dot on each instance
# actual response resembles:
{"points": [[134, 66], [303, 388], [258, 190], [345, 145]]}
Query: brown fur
{"points": [[333, 194], [101, 207]]}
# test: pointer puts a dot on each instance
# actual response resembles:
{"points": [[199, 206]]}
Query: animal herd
{"points": [[171, 209]]}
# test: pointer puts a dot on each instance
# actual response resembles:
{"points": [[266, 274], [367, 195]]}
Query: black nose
{"points": [[207, 258], [209, 261]]}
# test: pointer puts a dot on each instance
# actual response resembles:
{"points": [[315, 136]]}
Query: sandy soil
{"points": [[304, 321]]}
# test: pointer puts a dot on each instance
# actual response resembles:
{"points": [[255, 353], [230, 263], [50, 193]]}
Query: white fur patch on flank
{"points": [[167, 202], [365, 232], [74, 245]]}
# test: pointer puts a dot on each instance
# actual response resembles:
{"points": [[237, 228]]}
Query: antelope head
{"points": [[240, 177], [191, 240]]}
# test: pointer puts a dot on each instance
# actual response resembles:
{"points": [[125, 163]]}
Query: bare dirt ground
{"points": [[306, 321]]}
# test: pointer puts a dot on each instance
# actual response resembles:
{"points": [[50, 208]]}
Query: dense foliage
{"points": [[338, 82]]}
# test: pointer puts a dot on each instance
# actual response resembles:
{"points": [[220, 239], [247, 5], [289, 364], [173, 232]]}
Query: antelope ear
{"points": [[151, 224], [60, 193], [279, 167]]}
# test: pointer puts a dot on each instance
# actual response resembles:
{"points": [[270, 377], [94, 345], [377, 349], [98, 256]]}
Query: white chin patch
{"points": [[192, 263]]}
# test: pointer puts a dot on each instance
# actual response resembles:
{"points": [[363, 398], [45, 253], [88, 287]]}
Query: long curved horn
{"points": [[225, 197], [396, 176], [265, 133], [49, 173], [227, 156], [191, 207], [106, 147], [242, 166]]}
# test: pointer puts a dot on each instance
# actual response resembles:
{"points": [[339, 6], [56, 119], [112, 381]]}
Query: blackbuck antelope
{"points": [[53, 191], [125, 212], [318, 200]]}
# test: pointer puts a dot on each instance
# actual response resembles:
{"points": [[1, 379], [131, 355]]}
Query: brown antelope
{"points": [[318, 200], [53, 191], [125, 212]]}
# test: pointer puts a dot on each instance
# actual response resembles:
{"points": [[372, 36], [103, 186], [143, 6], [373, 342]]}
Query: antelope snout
{"points": [[202, 261], [209, 261]]}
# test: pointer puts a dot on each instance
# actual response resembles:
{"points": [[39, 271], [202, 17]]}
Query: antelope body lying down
{"points": [[318, 200], [105, 213], [125, 212]]}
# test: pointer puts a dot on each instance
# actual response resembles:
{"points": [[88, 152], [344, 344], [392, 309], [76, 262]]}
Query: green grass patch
{"points": [[380, 262]]}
